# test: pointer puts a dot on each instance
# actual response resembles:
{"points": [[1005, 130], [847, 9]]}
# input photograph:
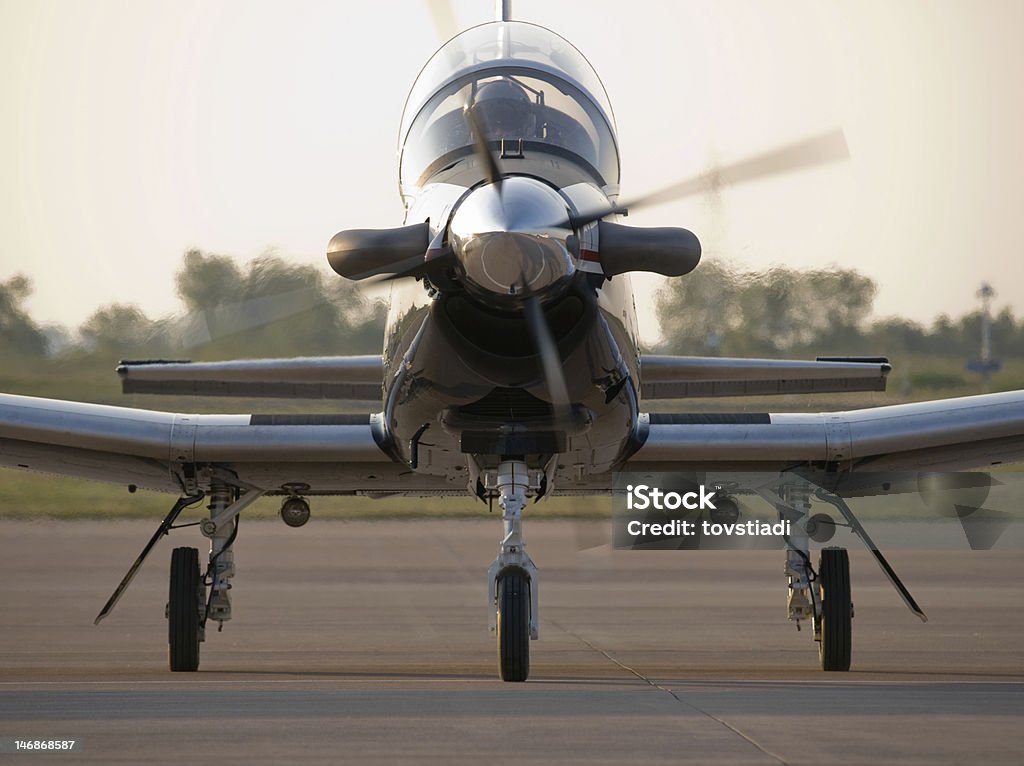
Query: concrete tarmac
{"points": [[367, 642]]}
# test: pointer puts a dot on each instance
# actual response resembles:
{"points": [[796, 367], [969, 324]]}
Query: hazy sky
{"points": [[131, 131]]}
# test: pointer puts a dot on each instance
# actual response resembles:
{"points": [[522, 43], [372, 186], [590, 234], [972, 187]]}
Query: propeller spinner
{"points": [[503, 238]]}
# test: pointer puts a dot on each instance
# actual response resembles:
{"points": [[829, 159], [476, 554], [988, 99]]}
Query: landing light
{"points": [[726, 511], [821, 527], [295, 511]]}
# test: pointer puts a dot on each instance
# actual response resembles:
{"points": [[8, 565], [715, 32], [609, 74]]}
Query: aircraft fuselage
{"points": [[464, 379], [455, 369]]}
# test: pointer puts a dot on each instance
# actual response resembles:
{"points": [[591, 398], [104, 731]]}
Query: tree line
{"points": [[269, 307], [719, 310], [266, 308]]}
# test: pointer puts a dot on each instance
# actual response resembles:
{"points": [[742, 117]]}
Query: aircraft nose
{"points": [[505, 237]]}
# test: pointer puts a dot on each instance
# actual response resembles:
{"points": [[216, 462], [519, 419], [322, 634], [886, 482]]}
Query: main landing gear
{"points": [[512, 578], [824, 595], [189, 604]]}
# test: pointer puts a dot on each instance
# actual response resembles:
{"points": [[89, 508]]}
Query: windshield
{"points": [[523, 82]]}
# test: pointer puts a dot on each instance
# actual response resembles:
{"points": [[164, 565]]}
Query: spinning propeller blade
{"points": [[439, 258], [419, 266], [492, 171], [817, 150], [442, 16], [551, 362]]}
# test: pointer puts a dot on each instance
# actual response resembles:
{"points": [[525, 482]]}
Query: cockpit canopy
{"points": [[525, 84]]}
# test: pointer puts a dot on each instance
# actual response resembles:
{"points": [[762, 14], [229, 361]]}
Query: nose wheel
{"points": [[513, 625], [512, 578]]}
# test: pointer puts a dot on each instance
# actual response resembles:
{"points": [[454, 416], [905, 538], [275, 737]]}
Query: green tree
{"points": [[205, 282], [895, 336], [124, 330], [272, 308], [779, 311], [1007, 335], [697, 312], [19, 334]]}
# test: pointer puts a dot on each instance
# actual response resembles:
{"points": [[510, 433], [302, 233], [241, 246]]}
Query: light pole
{"points": [[986, 365]]}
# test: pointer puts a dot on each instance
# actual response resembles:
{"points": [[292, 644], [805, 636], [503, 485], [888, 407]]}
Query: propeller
{"points": [[669, 251], [442, 16], [439, 256], [816, 150], [547, 350], [492, 170]]}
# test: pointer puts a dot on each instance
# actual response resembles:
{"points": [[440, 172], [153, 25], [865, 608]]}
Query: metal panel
{"points": [[733, 443], [672, 377], [309, 444], [954, 434], [144, 447], [88, 464], [95, 427], [354, 378]]}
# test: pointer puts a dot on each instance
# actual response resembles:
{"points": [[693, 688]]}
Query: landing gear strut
{"points": [[512, 578], [823, 596], [189, 607], [222, 528]]}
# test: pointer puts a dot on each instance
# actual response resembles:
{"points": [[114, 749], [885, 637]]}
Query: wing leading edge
{"points": [[944, 435], [329, 454], [341, 454]]}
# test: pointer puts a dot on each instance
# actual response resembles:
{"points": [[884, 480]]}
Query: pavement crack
{"points": [[655, 685]]}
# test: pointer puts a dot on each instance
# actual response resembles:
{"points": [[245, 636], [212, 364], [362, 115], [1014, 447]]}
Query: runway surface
{"points": [[367, 641]]}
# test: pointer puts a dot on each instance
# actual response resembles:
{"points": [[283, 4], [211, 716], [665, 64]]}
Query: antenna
{"points": [[503, 10]]}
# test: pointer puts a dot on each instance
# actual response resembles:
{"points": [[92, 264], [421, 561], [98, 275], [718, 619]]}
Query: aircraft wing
{"points": [[331, 454], [971, 432], [679, 377], [354, 378]]}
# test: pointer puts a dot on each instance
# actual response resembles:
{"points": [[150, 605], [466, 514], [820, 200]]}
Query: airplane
{"points": [[511, 367]]}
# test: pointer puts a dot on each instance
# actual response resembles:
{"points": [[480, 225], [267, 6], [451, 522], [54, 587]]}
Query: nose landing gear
{"points": [[512, 578]]}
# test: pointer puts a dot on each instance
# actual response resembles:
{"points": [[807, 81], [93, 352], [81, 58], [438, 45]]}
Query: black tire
{"points": [[836, 644], [513, 625], [183, 611]]}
